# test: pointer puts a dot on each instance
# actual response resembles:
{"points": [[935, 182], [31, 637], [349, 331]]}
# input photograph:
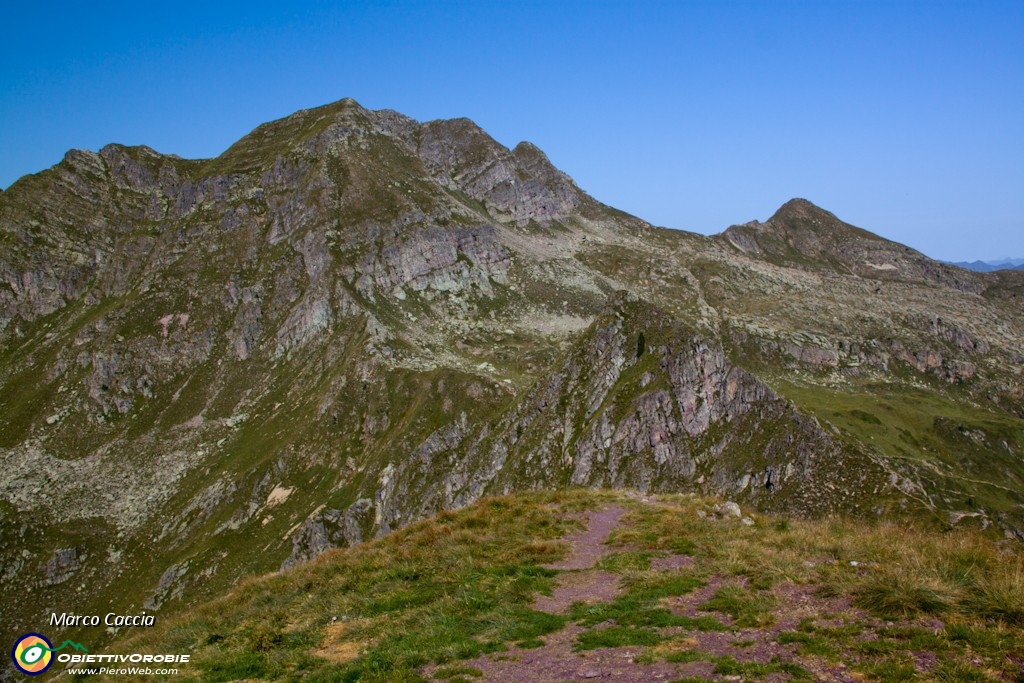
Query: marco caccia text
{"points": [[111, 619]]}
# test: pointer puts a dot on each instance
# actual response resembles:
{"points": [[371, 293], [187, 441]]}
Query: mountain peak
{"points": [[798, 224], [803, 235], [798, 208]]}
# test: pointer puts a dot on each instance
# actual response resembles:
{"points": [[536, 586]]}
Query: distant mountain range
{"points": [[989, 266]]}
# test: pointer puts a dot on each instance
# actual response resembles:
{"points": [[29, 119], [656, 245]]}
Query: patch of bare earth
{"points": [[801, 601], [670, 563], [556, 662], [587, 586], [588, 546], [580, 582], [336, 648]]}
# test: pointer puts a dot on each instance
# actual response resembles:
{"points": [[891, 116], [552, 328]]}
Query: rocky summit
{"points": [[351, 320]]}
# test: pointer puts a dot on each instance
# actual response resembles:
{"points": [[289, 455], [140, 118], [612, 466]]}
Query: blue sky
{"points": [[905, 118]]}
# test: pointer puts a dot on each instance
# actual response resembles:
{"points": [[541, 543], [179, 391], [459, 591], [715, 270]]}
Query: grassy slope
{"points": [[460, 586]]}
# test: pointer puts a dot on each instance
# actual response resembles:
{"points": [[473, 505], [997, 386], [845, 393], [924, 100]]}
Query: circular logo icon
{"points": [[32, 654]]}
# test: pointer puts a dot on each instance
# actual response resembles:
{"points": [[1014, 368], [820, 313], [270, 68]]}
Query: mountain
{"points": [[350, 320], [989, 266]]}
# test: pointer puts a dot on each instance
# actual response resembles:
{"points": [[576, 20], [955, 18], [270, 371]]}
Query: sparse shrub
{"points": [[264, 639]]}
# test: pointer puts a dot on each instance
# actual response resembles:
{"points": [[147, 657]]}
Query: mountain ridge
{"points": [[349, 320], [989, 266]]}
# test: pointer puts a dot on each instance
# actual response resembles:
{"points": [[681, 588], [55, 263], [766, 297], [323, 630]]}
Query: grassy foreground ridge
{"points": [[679, 590]]}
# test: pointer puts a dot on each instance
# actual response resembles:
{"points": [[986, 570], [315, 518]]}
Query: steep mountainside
{"points": [[350, 320]]}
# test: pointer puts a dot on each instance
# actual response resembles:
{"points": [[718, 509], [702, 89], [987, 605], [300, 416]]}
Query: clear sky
{"points": [[904, 118]]}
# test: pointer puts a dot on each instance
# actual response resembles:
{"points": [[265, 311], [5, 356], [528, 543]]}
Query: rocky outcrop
{"points": [[441, 260], [519, 185], [170, 586], [642, 403], [328, 528], [62, 565]]}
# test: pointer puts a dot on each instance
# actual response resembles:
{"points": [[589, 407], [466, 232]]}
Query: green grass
{"points": [[461, 586], [916, 638], [927, 429], [810, 644], [746, 608], [886, 670], [626, 561], [729, 666], [617, 636], [640, 604], [447, 672], [960, 672]]}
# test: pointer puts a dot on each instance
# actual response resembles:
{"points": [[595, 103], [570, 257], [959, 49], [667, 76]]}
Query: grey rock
{"points": [[730, 509], [62, 565]]}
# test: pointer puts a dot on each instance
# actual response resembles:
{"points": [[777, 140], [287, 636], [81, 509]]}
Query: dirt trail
{"points": [[582, 583], [588, 546], [558, 661]]}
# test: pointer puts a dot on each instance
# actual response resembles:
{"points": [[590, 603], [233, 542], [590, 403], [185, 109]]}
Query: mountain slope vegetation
{"points": [[350, 320]]}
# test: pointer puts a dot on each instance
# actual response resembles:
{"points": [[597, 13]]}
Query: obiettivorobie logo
{"points": [[33, 653]]}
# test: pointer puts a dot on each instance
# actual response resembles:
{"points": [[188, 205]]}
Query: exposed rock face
{"points": [[168, 587], [330, 529], [442, 260], [64, 564], [520, 185], [351, 319], [678, 416]]}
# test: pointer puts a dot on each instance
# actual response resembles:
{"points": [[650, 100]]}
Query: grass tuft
{"points": [[746, 608], [617, 636], [892, 595]]}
